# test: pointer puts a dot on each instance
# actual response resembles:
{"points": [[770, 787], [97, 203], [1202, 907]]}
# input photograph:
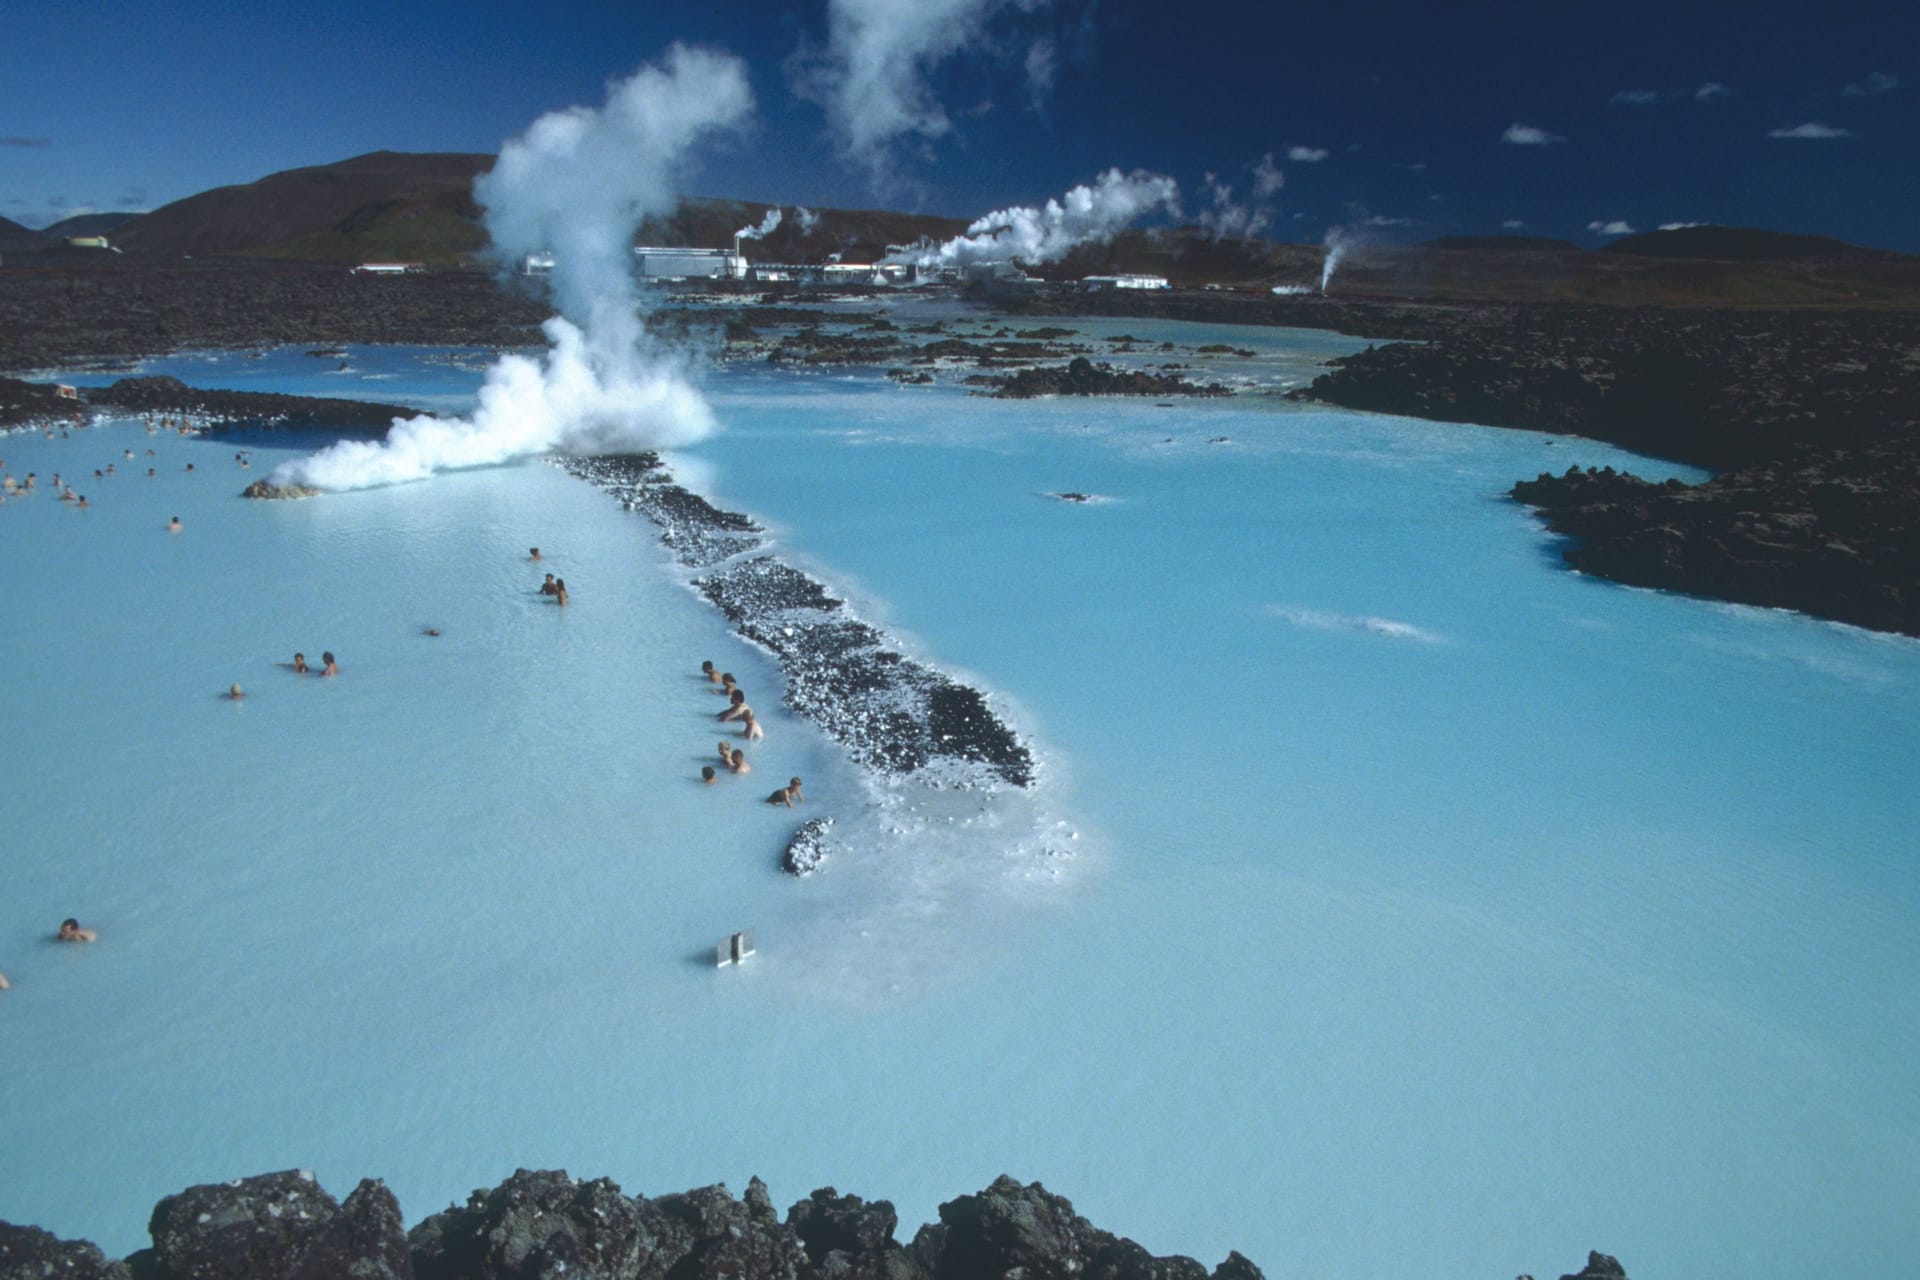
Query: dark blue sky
{"points": [[1801, 118]]}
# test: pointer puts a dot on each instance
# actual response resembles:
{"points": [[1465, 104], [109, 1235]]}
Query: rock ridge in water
{"points": [[546, 1225], [893, 715]]}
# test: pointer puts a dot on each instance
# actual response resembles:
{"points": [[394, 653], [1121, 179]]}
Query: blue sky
{"points": [[1411, 119]]}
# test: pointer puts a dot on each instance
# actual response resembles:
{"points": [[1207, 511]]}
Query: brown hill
{"points": [[90, 224], [15, 238], [1738, 244], [385, 200]]}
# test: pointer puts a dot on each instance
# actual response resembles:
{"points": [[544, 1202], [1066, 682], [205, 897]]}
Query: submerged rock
{"points": [[269, 490], [807, 850]]}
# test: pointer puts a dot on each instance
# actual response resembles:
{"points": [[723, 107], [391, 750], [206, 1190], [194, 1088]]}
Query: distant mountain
{"points": [[1738, 244], [15, 238], [90, 224], [1503, 244], [386, 204]]}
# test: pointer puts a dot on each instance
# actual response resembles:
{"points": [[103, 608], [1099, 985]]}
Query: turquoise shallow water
{"points": [[1430, 908]]}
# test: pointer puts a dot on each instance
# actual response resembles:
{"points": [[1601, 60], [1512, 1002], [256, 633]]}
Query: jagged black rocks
{"points": [[548, 1226], [808, 848], [891, 713]]}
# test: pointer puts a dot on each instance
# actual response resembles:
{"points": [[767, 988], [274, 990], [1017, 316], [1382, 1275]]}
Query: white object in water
{"points": [[734, 950]]}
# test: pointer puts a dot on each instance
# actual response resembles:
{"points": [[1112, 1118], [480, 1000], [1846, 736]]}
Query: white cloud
{"points": [[1228, 218], [1306, 155], [1380, 220], [1636, 98], [1267, 177], [1876, 82], [1811, 130], [1526, 135], [1710, 91], [1680, 226], [872, 78], [1041, 64], [1614, 228], [1513, 224]]}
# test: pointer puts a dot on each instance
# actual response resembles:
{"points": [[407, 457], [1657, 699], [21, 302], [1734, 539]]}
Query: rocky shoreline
{"points": [[892, 714], [548, 1226], [1812, 419]]}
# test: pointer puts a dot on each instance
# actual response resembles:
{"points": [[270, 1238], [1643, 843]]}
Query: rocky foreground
{"points": [[545, 1226]]}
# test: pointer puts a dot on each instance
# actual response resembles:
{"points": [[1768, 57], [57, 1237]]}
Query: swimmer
{"points": [[83, 503], [300, 664], [706, 669], [793, 790], [738, 710], [431, 631], [149, 473], [752, 727], [788, 795], [189, 466], [533, 553], [173, 525], [737, 762], [331, 668], [560, 591], [726, 752], [70, 931], [707, 775], [726, 684], [126, 453], [4, 984], [549, 588], [235, 692]]}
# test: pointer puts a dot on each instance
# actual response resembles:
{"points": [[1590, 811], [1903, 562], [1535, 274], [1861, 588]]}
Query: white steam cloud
{"points": [[1617, 227], [577, 184], [808, 218], [767, 226], [1812, 130], [1088, 214], [1338, 241], [872, 78], [1527, 135], [1228, 219]]}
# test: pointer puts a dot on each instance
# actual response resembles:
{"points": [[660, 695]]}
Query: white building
{"points": [[1094, 284], [537, 264], [690, 264]]}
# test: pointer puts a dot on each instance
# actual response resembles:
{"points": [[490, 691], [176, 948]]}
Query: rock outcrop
{"points": [[548, 1226], [893, 714], [808, 848], [1082, 377], [1834, 533], [161, 394]]}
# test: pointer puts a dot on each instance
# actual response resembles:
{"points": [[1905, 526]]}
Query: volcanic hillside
{"points": [[384, 205]]}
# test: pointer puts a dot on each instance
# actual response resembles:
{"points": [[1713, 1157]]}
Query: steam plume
{"points": [[807, 219], [1087, 214], [1338, 238], [576, 183], [766, 227], [872, 78]]}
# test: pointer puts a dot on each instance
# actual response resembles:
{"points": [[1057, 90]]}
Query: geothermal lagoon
{"points": [[1390, 901]]}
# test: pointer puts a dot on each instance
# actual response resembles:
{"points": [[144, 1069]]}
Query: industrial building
{"points": [[690, 264], [1096, 284]]}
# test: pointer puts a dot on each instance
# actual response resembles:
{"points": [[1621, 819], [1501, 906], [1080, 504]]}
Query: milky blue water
{"points": [[1393, 900]]}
